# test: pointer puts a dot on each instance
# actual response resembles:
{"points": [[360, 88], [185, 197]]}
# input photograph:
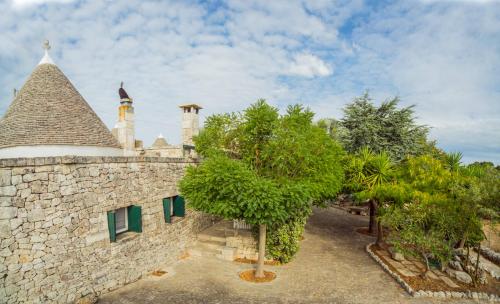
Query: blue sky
{"points": [[442, 56]]}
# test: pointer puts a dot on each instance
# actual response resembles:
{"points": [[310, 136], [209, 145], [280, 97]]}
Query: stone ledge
{"points": [[435, 294], [126, 236], [41, 161]]}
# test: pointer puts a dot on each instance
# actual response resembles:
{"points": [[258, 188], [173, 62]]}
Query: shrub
{"points": [[283, 240]]}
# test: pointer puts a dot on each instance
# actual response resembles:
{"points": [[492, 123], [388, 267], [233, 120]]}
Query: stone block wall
{"points": [[245, 244], [54, 240]]}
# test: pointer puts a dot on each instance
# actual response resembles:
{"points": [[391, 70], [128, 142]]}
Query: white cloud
{"points": [[461, 1], [308, 65], [19, 4], [443, 57]]}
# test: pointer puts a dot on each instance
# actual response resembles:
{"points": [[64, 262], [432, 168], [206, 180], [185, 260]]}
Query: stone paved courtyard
{"points": [[331, 267]]}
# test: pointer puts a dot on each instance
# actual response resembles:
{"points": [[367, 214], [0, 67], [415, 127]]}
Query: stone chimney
{"points": [[124, 129], [190, 123]]}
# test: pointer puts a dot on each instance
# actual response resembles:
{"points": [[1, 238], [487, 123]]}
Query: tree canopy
{"points": [[384, 128], [286, 150], [263, 167], [431, 206]]}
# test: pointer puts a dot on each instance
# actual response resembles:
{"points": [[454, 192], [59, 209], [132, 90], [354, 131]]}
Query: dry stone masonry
{"points": [[54, 238], [423, 293]]}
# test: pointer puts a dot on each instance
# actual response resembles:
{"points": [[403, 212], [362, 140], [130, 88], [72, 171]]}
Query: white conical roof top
{"points": [[160, 142], [46, 58]]}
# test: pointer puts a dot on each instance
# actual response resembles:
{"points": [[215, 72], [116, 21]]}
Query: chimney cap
{"points": [[190, 105]]}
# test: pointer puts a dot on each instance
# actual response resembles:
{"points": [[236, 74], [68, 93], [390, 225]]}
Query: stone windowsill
{"points": [[176, 219], [126, 236]]}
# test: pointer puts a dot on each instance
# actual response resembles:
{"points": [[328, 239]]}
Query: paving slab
{"points": [[332, 266], [438, 272], [449, 282], [413, 268], [420, 265], [407, 273], [382, 253], [394, 263], [432, 275]]}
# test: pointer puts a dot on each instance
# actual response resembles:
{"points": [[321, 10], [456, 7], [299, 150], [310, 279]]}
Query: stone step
{"points": [[227, 253], [490, 267], [211, 244], [209, 238], [199, 250]]}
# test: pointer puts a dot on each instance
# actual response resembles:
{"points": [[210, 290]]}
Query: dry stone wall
{"points": [[55, 245]]}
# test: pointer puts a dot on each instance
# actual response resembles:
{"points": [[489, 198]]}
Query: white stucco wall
{"points": [[58, 150]]}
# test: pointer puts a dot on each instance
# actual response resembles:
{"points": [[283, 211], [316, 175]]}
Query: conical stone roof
{"points": [[48, 110], [160, 142]]}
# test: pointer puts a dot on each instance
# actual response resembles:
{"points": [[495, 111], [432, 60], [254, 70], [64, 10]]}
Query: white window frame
{"points": [[126, 220]]}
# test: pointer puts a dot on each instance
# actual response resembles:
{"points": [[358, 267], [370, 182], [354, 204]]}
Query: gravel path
{"points": [[331, 267]]}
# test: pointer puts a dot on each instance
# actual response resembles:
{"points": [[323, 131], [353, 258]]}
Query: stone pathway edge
{"points": [[434, 294]]}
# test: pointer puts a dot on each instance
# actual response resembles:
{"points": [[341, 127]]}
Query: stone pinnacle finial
{"points": [[15, 92], [121, 84], [46, 58], [46, 45]]}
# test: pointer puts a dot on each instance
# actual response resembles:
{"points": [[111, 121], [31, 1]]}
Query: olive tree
{"points": [[263, 167]]}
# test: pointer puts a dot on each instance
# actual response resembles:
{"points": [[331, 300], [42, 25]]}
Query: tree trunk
{"points": [[427, 268], [476, 269], [259, 273], [372, 227], [467, 258], [461, 244], [380, 233]]}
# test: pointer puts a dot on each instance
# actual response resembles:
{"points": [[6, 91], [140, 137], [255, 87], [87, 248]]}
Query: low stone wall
{"points": [[245, 244], [55, 244], [491, 232], [436, 294]]}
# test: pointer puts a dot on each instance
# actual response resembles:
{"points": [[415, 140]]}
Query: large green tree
{"points": [[263, 167], [387, 127]]}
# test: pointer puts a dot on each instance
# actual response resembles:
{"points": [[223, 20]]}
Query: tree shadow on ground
{"points": [[341, 230]]}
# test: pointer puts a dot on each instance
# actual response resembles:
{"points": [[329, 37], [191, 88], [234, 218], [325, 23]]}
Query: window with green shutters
{"points": [[173, 207], [112, 226], [167, 209], [124, 219], [179, 206], [134, 218]]}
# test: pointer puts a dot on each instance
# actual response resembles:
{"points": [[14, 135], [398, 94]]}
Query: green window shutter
{"points": [[134, 218], [112, 226], [179, 206], [166, 209]]}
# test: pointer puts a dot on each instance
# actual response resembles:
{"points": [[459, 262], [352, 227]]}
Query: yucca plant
{"points": [[453, 161], [380, 170], [365, 171]]}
